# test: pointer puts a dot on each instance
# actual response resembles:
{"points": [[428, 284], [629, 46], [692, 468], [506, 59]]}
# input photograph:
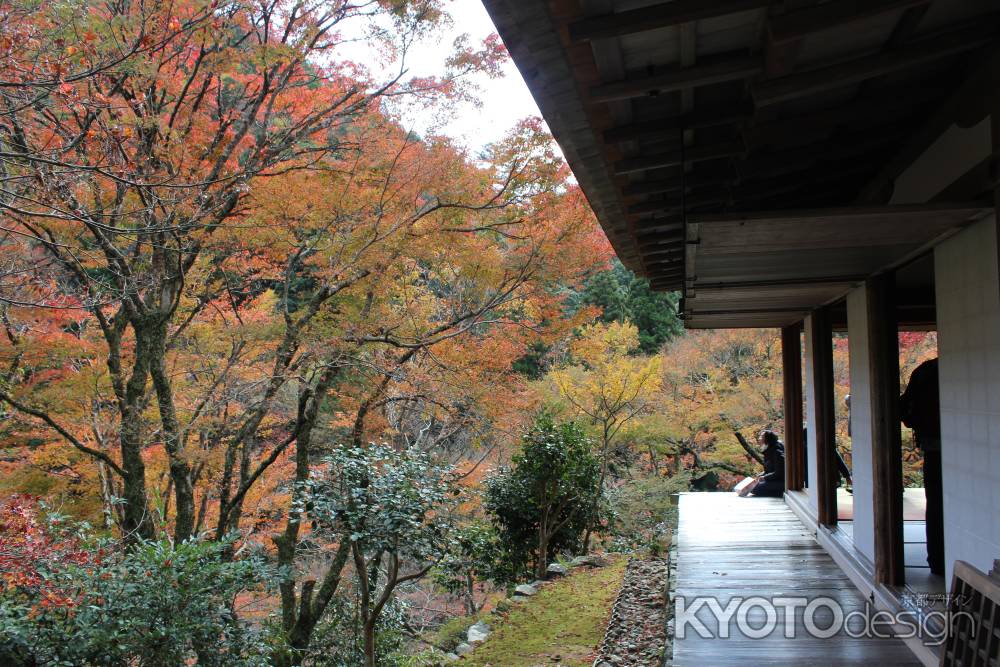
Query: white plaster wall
{"points": [[861, 422], [810, 414], [968, 313]]}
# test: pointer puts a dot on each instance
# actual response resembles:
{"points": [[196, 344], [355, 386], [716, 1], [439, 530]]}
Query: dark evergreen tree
{"points": [[624, 296]]}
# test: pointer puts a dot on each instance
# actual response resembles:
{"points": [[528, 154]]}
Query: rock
{"points": [[591, 560], [556, 570], [451, 657], [526, 590], [463, 648], [478, 633]]}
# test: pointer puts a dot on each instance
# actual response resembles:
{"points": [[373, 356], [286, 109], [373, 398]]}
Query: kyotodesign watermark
{"points": [[757, 617]]}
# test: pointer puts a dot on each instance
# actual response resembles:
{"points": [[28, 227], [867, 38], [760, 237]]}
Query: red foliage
{"points": [[30, 552]]}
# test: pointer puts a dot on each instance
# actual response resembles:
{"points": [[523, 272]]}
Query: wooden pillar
{"points": [[887, 454], [791, 365], [995, 130], [825, 427]]}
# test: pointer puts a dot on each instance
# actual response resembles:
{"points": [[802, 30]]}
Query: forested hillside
{"points": [[281, 381]]}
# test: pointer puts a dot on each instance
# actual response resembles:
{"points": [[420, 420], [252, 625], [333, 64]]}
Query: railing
{"points": [[974, 618]]}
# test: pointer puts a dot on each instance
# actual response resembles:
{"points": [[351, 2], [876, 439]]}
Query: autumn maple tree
{"points": [[605, 382], [226, 257]]}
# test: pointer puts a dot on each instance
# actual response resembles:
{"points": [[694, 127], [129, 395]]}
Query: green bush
{"points": [[157, 605], [644, 513], [543, 503], [337, 640]]}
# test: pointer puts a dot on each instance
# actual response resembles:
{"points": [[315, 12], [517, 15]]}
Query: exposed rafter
{"points": [[692, 179], [673, 158], [728, 68], [672, 125], [953, 42], [800, 23], [657, 16], [868, 111]]}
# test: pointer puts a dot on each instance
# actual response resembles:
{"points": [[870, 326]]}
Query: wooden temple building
{"points": [[812, 166]]}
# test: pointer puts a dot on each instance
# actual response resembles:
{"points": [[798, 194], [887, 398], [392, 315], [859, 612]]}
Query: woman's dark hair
{"points": [[770, 437]]}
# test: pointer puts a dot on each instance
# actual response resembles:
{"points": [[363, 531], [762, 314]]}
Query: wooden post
{"points": [[995, 131], [887, 449], [791, 365], [826, 434]]}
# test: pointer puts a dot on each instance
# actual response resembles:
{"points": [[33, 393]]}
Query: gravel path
{"points": [[636, 632]]}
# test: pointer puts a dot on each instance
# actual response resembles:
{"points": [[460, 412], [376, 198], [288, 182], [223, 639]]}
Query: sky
{"points": [[505, 101]]}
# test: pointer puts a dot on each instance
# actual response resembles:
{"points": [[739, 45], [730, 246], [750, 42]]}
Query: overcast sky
{"points": [[504, 101]]}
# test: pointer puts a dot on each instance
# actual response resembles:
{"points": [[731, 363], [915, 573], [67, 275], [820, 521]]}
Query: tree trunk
{"points": [[137, 522], [155, 340], [585, 547], [370, 643], [470, 595], [751, 452], [299, 624], [542, 562]]}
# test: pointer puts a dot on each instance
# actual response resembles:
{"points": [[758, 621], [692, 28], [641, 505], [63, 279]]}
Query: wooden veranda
{"points": [[730, 547]]}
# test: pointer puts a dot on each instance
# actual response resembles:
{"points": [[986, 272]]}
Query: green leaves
{"points": [[158, 605], [553, 488], [386, 500]]}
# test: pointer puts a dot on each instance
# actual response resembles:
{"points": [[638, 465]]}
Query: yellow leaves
{"points": [[608, 383], [600, 343]]}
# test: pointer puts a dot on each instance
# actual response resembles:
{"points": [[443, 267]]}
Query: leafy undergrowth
{"points": [[561, 625]]}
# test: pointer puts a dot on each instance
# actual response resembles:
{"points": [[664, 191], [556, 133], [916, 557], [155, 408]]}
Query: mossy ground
{"points": [[562, 625]]}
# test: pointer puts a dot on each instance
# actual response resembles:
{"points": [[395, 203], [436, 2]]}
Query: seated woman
{"points": [[772, 483]]}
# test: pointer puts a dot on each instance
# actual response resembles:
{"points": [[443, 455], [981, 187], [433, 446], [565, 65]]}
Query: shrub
{"points": [[157, 605], [549, 497]]}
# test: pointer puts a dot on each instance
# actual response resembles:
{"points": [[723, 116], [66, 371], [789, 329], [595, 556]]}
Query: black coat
{"points": [[774, 463]]}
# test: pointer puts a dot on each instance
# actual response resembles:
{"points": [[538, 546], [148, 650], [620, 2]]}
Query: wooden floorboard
{"points": [[730, 547]]}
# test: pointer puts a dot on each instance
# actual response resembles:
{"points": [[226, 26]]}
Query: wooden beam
{"points": [[691, 179], [863, 113], [965, 106], [846, 280], [853, 146], [721, 70], [664, 268], [657, 16], [657, 206], [678, 204], [962, 39], [791, 367], [672, 236], [753, 311], [684, 156], [954, 213], [801, 23], [674, 125], [887, 468], [668, 251], [825, 427], [645, 234]]}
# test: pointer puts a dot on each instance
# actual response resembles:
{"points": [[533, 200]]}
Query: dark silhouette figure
{"points": [[919, 408], [772, 482]]}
